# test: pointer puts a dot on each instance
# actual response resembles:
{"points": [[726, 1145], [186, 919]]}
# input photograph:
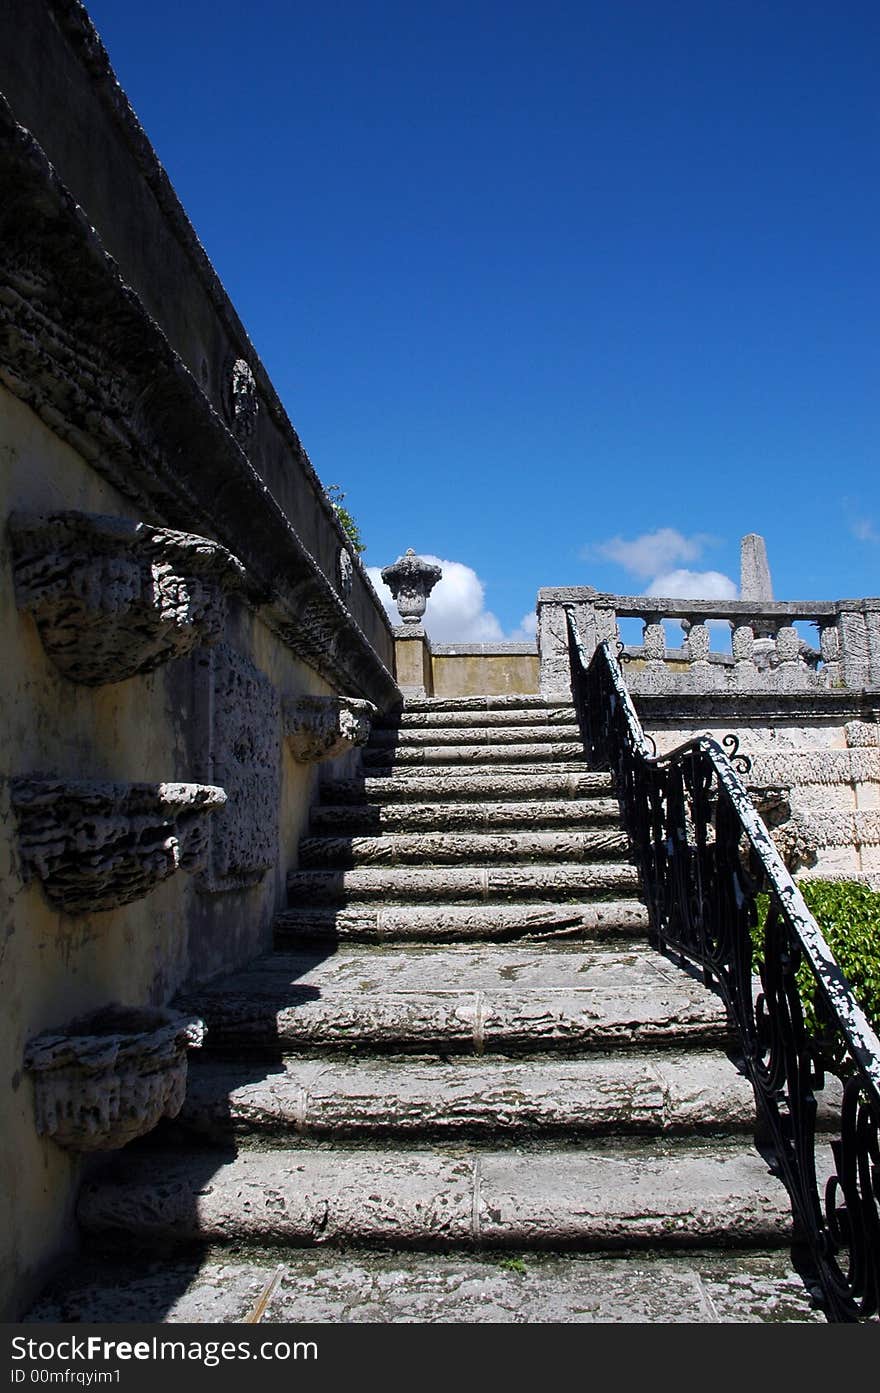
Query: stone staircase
{"points": [[462, 1087]]}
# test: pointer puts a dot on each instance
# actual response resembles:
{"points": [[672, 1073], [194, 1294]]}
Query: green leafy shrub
{"points": [[347, 522], [848, 914]]}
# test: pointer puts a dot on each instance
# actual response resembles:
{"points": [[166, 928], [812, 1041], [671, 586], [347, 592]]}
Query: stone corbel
{"points": [[109, 1077], [100, 845], [318, 727], [112, 597]]}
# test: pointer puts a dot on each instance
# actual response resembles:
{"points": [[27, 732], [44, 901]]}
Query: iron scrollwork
{"points": [[705, 856]]}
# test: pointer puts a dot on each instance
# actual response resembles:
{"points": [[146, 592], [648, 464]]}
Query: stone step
{"points": [[510, 716], [439, 884], [436, 923], [516, 701], [662, 1194], [466, 1287], [469, 785], [412, 737], [463, 848], [657, 1093], [459, 999], [365, 818], [561, 752]]}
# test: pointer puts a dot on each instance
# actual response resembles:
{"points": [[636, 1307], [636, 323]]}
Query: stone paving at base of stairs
{"points": [[436, 1288]]}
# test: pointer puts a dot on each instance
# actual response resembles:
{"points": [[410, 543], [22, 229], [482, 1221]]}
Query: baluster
{"points": [[698, 644], [743, 646], [788, 646], [829, 643], [654, 640]]}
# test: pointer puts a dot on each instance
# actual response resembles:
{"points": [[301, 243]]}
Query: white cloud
{"points": [[456, 611], [526, 629], [693, 585], [863, 530], [652, 552], [652, 556]]}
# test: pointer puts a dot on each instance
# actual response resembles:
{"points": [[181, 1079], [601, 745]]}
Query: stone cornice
{"points": [[766, 707], [77, 344]]}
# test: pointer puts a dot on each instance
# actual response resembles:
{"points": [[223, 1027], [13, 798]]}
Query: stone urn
{"points": [[411, 580], [108, 1077]]}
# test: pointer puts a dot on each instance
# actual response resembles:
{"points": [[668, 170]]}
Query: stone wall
{"points": [[484, 669], [173, 583]]}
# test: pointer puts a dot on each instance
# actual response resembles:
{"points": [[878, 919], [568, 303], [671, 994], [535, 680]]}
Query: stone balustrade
{"points": [[764, 652]]}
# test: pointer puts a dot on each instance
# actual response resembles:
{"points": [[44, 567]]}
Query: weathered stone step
{"points": [[517, 701], [365, 818], [407, 736], [509, 716], [563, 751], [465, 784], [459, 1000], [463, 848], [486, 1287], [659, 1093], [436, 884], [435, 923], [661, 1195]]}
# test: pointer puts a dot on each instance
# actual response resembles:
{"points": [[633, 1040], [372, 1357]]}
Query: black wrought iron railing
{"points": [[705, 858]]}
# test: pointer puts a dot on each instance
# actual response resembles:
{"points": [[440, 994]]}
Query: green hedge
{"points": [[848, 914]]}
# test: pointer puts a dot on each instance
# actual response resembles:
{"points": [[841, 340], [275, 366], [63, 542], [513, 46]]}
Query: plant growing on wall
{"points": [[347, 522], [848, 913]]}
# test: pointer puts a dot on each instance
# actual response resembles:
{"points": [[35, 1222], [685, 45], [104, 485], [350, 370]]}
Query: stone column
{"points": [[411, 580]]}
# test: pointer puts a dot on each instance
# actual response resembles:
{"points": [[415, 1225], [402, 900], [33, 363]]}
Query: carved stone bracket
{"points": [[109, 1077], [112, 597], [318, 727], [100, 845]]}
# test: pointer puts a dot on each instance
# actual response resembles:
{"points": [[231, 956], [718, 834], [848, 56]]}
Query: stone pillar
{"points": [[754, 577], [854, 655], [413, 661], [553, 604]]}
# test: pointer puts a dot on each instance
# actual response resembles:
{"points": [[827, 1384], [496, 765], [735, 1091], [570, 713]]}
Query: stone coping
{"points": [[483, 650]]}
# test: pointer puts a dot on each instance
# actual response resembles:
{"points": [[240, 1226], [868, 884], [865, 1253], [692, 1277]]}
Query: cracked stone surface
{"points": [[480, 998], [445, 848], [630, 1093], [434, 883], [543, 1288], [433, 923], [671, 1196]]}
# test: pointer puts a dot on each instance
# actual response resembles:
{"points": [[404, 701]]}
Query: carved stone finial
{"points": [[109, 1077], [411, 580]]}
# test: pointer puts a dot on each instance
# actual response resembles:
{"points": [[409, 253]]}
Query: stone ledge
{"points": [[80, 348]]}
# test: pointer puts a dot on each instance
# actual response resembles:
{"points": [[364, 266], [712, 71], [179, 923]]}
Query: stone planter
{"points": [[109, 1077], [112, 597], [318, 727], [100, 845]]}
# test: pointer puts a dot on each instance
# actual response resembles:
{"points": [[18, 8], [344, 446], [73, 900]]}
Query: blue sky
{"points": [[538, 282]]}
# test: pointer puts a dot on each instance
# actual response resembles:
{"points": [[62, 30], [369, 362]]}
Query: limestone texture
{"points": [[100, 845]]}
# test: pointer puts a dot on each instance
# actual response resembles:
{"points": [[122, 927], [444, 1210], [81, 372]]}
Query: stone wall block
{"points": [[318, 727], [97, 846], [112, 597], [853, 648], [242, 725], [109, 1077]]}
